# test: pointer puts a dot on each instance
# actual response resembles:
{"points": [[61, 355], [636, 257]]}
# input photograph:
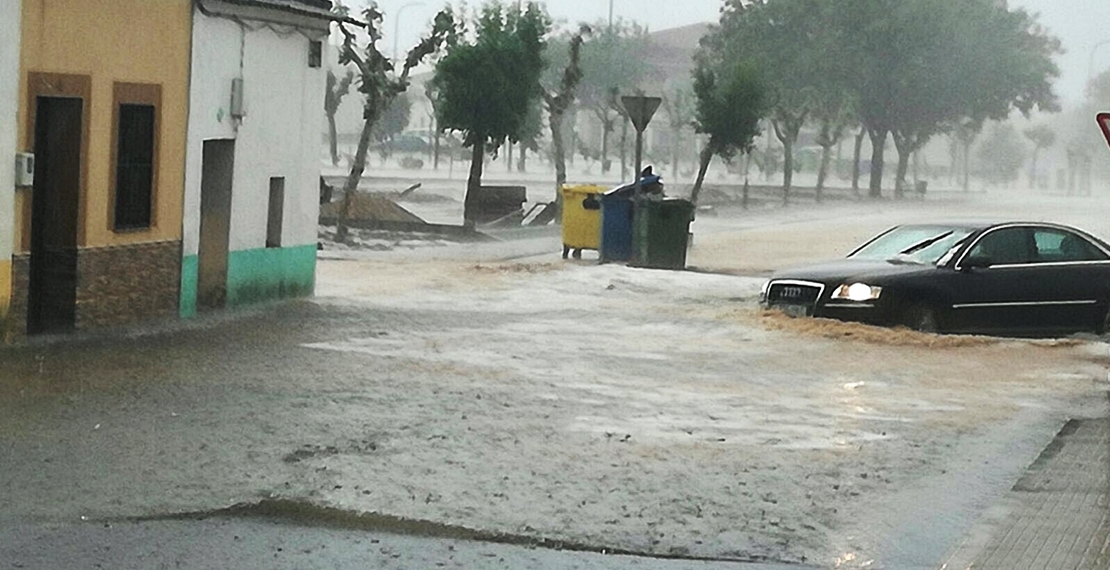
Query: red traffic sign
{"points": [[1104, 124]]}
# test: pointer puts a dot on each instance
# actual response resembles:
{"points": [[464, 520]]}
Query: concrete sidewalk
{"points": [[1057, 515]]}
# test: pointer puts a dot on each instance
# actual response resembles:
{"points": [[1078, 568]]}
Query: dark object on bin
{"points": [[652, 185]]}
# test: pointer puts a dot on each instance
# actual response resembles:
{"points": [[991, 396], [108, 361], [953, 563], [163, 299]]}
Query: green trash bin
{"points": [[660, 230]]}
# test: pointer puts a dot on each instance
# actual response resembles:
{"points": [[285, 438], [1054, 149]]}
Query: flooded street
{"points": [[634, 410]]}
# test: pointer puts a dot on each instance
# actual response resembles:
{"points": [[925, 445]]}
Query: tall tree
{"points": [[337, 89], [611, 60], [730, 102], [380, 84], [487, 82], [922, 67], [1042, 137], [392, 122], [784, 39], [679, 105], [1001, 154], [558, 101]]}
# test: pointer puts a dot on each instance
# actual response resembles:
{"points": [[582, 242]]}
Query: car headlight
{"points": [[857, 292]]}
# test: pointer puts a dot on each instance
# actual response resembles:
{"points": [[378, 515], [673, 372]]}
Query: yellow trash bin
{"points": [[581, 218]]}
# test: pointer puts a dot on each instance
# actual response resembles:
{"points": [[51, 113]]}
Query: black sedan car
{"points": [[1012, 278]]}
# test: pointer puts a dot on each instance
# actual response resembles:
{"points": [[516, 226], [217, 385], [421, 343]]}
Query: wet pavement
{"points": [[219, 543], [525, 405]]}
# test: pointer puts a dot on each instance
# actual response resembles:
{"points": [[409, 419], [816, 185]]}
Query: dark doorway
{"points": [[52, 299], [215, 222]]}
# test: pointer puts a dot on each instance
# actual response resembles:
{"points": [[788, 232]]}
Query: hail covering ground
{"points": [[651, 411]]}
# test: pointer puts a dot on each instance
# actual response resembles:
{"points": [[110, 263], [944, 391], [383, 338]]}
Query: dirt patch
{"points": [[503, 268]]}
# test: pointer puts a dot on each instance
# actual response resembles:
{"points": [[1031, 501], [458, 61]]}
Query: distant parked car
{"points": [[1013, 278]]}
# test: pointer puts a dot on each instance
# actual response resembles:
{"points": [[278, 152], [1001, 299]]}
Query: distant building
{"points": [[253, 159]]}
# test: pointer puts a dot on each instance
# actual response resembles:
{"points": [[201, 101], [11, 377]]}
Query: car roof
{"points": [[978, 224]]}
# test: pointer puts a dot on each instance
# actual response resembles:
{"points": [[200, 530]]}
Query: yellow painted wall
{"points": [[132, 41], [5, 292]]}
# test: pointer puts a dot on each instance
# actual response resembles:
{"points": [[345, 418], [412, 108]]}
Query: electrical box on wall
{"points": [[24, 170], [237, 98]]}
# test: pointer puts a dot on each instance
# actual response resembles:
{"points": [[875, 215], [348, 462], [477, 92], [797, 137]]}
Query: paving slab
{"points": [[1056, 516]]}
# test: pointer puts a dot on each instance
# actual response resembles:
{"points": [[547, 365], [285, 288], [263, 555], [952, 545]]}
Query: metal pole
{"points": [[1091, 61], [610, 16], [639, 161]]}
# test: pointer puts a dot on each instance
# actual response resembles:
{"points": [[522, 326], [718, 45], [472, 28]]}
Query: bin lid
{"points": [[651, 185]]}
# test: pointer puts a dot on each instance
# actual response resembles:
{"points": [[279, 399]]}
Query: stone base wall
{"points": [[116, 285]]}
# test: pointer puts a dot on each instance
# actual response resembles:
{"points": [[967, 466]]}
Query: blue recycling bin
{"points": [[616, 228], [617, 213]]}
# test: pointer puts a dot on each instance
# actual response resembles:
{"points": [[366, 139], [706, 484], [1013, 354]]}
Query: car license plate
{"points": [[794, 310]]}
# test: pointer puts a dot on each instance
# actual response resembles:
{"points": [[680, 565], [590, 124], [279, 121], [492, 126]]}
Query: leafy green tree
{"points": [[679, 104], [965, 132], [922, 67], [531, 137], [1042, 137], [488, 82], [392, 122], [1001, 154], [611, 59], [784, 39], [730, 102], [380, 83], [337, 89]]}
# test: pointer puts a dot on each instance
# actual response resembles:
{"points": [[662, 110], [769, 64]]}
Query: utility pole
{"points": [[397, 26]]}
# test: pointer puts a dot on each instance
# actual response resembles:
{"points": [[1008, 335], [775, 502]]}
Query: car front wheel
{"points": [[921, 317]]}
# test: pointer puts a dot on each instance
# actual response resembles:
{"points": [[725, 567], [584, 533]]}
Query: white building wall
{"points": [[279, 136], [10, 21], [215, 62]]}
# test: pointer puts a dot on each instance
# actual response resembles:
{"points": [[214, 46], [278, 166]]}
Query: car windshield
{"points": [[912, 244]]}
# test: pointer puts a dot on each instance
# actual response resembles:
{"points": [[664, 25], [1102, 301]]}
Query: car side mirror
{"points": [[977, 262]]}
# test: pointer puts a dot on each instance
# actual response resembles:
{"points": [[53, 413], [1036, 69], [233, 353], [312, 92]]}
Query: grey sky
{"points": [[1081, 24]]}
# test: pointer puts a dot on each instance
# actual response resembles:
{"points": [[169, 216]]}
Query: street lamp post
{"points": [[397, 25], [1091, 61]]}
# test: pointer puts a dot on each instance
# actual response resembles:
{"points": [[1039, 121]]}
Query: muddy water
{"points": [[646, 411]]}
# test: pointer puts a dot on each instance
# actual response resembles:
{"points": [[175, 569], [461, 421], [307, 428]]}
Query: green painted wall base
{"points": [[256, 275], [187, 305]]}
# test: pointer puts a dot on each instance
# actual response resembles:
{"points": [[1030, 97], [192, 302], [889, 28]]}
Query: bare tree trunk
{"points": [[624, 149], [967, 166], [787, 170], [351, 186], [606, 126], [856, 156], [509, 156], [787, 136], [878, 148], [823, 170], [555, 120], [1033, 167], [333, 140], [703, 167], [903, 169], [435, 150], [522, 162], [474, 182], [674, 154]]}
